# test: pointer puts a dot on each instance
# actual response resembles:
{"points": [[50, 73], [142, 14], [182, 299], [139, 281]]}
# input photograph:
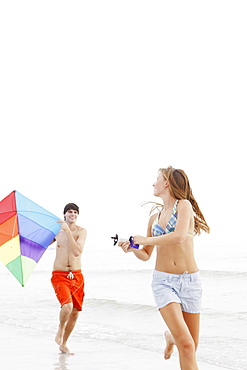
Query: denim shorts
{"points": [[185, 289]]}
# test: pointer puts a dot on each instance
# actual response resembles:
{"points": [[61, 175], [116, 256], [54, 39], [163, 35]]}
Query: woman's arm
{"points": [[180, 233], [143, 253]]}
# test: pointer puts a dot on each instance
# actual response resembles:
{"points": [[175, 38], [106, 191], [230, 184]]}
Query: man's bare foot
{"points": [[59, 336], [169, 345], [64, 349]]}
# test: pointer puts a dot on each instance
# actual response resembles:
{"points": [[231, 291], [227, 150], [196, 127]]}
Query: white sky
{"points": [[96, 96]]}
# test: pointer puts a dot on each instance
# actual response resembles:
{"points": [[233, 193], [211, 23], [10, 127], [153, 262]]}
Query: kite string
{"points": [[73, 293]]}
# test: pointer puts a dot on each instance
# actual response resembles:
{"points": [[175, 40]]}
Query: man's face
{"points": [[71, 215]]}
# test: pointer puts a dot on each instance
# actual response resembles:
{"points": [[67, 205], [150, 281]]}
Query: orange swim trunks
{"points": [[69, 287]]}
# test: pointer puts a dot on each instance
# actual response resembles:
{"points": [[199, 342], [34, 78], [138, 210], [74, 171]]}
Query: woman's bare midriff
{"points": [[176, 259]]}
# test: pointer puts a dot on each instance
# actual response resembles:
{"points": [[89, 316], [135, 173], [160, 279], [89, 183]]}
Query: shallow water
{"points": [[119, 308]]}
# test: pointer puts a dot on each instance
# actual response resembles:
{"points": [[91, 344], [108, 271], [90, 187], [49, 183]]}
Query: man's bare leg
{"points": [[68, 330], [63, 318]]}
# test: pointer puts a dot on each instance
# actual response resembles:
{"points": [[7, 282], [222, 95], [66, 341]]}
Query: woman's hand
{"points": [[142, 240], [126, 246]]}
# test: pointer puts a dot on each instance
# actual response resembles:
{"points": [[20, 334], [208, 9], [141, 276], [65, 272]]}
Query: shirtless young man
{"points": [[67, 279]]}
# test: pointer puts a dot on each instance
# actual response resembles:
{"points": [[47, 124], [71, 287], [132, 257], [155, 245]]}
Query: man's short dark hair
{"points": [[70, 206]]}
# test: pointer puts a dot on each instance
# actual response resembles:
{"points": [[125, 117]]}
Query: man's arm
{"points": [[75, 245]]}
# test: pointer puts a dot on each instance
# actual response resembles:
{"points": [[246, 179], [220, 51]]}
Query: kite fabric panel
{"points": [[26, 231]]}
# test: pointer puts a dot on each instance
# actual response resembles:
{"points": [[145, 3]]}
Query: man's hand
{"points": [[63, 225]]}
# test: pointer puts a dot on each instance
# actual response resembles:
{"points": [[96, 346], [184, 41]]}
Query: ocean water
{"points": [[119, 305]]}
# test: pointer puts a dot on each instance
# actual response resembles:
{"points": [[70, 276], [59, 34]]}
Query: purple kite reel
{"points": [[116, 239], [136, 246]]}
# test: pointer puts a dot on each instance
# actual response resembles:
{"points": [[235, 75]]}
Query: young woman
{"points": [[176, 281]]}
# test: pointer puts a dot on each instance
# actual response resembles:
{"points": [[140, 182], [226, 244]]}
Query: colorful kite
{"points": [[26, 230]]}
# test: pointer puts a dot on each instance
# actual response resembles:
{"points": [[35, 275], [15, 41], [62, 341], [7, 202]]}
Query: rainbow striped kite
{"points": [[26, 230]]}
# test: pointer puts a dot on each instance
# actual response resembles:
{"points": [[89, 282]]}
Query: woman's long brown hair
{"points": [[180, 189]]}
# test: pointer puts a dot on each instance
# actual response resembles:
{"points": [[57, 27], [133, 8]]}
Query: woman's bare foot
{"points": [[169, 345], [64, 349]]}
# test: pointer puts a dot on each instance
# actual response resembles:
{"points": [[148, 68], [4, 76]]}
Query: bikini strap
{"points": [[175, 207]]}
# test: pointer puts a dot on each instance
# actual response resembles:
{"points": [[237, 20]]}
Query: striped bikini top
{"points": [[157, 230]]}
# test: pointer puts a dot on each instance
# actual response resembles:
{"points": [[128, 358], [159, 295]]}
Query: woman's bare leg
{"points": [[181, 335], [170, 342], [193, 322]]}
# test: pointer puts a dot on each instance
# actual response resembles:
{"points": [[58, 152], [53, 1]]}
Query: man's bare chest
{"points": [[62, 238]]}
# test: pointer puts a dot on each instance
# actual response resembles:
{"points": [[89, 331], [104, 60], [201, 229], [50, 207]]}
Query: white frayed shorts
{"points": [[185, 289]]}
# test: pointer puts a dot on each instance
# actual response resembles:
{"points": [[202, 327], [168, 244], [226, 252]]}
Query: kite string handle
{"points": [[131, 240]]}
